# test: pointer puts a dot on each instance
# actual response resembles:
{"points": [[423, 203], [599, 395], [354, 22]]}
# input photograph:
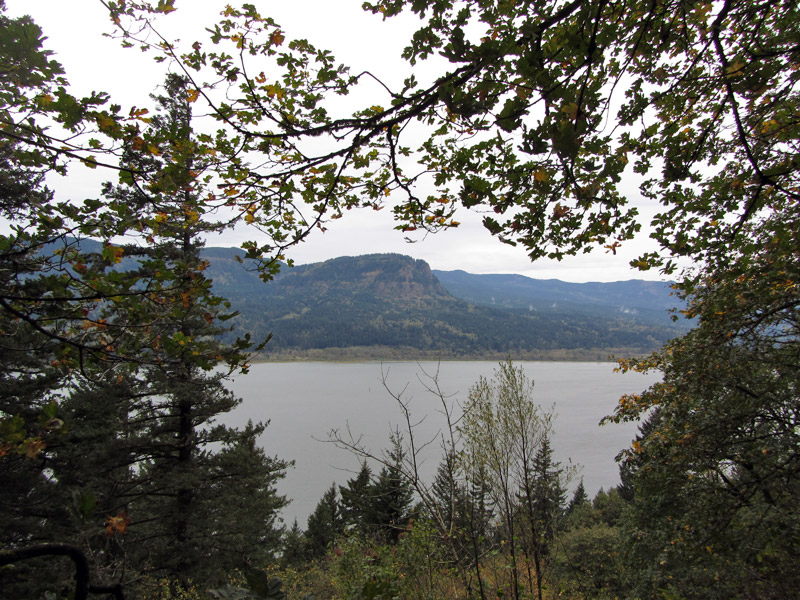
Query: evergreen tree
{"points": [[390, 497], [325, 524], [579, 498], [155, 485], [356, 500], [294, 547], [630, 464], [549, 492], [449, 492]]}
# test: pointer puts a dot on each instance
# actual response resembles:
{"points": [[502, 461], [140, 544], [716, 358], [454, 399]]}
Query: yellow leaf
{"points": [[273, 91], [541, 175], [105, 122], [571, 110], [191, 95], [33, 447]]}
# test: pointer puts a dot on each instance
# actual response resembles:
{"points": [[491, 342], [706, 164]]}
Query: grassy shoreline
{"points": [[383, 353]]}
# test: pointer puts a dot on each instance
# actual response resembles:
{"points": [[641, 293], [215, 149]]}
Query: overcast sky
{"points": [[360, 40]]}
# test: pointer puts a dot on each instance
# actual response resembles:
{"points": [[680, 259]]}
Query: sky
{"points": [[360, 40]]}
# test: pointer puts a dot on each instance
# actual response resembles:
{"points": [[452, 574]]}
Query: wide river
{"points": [[304, 401]]}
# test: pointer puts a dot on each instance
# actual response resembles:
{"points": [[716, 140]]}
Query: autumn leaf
{"points": [[105, 122], [277, 38], [117, 524], [571, 110], [166, 7], [113, 254], [560, 211], [191, 95], [32, 447], [273, 91]]}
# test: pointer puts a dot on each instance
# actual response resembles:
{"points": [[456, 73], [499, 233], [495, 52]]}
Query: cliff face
{"points": [[389, 276]]}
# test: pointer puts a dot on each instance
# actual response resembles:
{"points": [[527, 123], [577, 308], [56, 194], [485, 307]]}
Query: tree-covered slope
{"points": [[645, 300], [389, 300]]}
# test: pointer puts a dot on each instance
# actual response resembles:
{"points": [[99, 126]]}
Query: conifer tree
{"points": [[391, 496], [355, 496], [579, 498], [159, 487], [325, 524]]}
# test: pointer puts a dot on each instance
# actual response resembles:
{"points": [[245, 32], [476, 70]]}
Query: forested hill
{"points": [[389, 305], [647, 300]]}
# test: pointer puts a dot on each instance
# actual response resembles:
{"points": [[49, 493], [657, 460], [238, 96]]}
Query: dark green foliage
{"points": [[631, 463], [587, 558], [356, 499], [549, 493], [394, 301], [259, 587], [130, 464], [715, 474], [587, 563], [465, 508], [293, 547], [325, 525], [391, 495], [579, 498]]}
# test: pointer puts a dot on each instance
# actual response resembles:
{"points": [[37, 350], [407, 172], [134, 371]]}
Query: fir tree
{"points": [[579, 498], [390, 497], [325, 524], [356, 500]]}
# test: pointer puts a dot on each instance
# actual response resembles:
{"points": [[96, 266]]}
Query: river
{"points": [[304, 401]]}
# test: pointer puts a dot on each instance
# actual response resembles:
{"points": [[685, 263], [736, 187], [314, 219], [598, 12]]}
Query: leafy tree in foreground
{"points": [[208, 502], [717, 476], [508, 435], [543, 108], [160, 488]]}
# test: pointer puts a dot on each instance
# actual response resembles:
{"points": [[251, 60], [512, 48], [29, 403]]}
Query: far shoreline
{"points": [[385, 354]]}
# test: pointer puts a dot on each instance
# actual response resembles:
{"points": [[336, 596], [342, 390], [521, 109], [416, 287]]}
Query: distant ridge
{"points": [[648, 300], [393, 306]]}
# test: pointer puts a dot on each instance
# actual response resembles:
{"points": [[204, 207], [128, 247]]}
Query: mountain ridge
{"points": [[392, 306], [392, 301]]}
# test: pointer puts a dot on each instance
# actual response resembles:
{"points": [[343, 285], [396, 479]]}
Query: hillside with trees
{"points": [[372, 305], [556, 122]]}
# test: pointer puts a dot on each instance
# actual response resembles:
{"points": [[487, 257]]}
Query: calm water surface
{"points": [[305, 401]]}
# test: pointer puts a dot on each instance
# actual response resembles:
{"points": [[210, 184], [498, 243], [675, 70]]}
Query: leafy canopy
{"points": [[546, 111]]}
